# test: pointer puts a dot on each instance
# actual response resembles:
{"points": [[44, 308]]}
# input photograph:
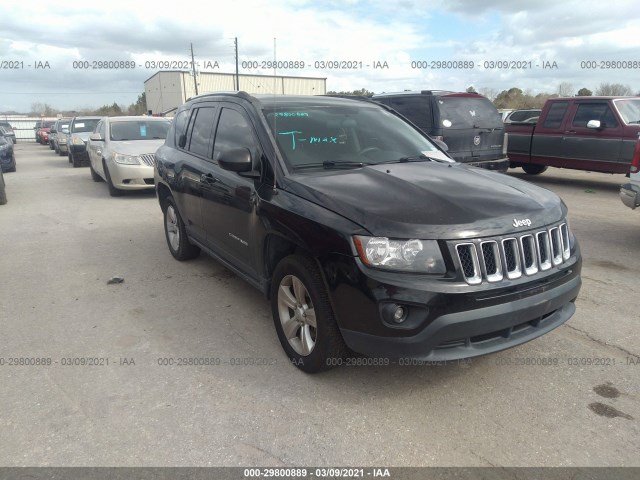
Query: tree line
{"points": [[137, 108]]}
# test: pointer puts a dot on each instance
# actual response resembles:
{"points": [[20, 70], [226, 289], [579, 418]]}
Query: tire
{"points": [[74, 160], [69, 156], [113, 191], [3, 191], [534, 169], [61, 153], [94, 176], [297, 288], [176, 234]]}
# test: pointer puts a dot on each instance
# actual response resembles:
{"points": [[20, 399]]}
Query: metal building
{"points": [[168, 89]]}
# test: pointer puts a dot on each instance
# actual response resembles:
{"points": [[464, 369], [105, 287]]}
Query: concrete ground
{"points": [[62, 238]]}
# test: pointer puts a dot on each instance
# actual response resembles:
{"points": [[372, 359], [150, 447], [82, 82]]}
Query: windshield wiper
{"points": [[331, 164]]}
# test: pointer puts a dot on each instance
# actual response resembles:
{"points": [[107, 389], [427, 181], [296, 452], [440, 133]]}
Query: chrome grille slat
{"points": [[512, 257], [148, 159]]}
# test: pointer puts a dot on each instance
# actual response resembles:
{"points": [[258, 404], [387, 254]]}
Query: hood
{"points": [[136, 147], [430, 200]]}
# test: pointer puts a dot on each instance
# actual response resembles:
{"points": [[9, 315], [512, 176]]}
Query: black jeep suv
{"points": [[363, 234]]}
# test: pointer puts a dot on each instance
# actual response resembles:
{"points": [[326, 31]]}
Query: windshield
{"points": [[85, 125], [468, 112], [317, 134], [629, 110], [139, 130]]}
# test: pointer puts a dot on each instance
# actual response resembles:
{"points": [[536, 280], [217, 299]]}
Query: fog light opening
{"points": [[399, 314]]}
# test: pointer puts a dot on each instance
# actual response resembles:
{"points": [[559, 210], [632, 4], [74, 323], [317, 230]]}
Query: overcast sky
{"points": [[516, 33]]}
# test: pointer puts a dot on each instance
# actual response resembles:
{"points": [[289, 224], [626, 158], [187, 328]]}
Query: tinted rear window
{"points": [[555, 115], [467, 112]]}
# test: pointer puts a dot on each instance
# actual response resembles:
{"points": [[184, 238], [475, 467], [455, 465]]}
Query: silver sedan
{"points": [[122, 151]]}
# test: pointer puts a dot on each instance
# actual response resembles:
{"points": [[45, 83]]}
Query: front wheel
{"points": [[534, 169], [303, 317], [113, 191], [76, 161], [94, 176], [176, 234]]}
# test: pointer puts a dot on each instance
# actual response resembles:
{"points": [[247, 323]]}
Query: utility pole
{"points": [[237, 75], [193, 67]]}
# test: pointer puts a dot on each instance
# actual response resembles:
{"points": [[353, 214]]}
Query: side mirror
{"points": [[595, 124], [236, 160], [96, 137]]}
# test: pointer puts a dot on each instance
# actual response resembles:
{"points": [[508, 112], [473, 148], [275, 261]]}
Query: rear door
{"points": [[191, 163]]}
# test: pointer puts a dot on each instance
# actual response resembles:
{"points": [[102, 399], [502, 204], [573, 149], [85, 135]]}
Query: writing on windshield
{"points": [[296, 136]]}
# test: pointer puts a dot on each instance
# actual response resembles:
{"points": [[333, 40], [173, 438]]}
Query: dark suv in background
{"points": [[363, 233], [468, 123], [80, 128]]}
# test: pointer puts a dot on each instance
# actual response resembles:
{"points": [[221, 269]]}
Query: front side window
{"points": [[594, 111], [234, 131]]}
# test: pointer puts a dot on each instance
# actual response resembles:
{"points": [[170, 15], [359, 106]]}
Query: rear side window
{"points": [[555, 115], [416, 109], [594, 111], [201, 131], [234, 131], [181, 121]]}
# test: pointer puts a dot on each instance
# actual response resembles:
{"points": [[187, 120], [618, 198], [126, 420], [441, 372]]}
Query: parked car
{"points": [[468, 123], [79, 130], [42, 131], [525, 115], [598, 134], [630, 192], [7, 131], [361, 231], [122, 151], [7, 156], [3, 189], [58, 135]]}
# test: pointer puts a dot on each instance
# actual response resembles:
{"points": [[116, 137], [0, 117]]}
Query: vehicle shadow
{"points": [[596, 181]]}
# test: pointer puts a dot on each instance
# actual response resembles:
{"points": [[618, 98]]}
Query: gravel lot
{"points": [[63, 238]]}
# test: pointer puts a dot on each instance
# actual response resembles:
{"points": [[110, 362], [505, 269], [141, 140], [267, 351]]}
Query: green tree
{"points": [[140, 107], [584, 92], [471, 89]]}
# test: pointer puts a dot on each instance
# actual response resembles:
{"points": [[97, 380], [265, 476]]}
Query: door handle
{"points": [[208, 178]]}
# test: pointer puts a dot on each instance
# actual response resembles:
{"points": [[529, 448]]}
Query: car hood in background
{"points": [[430, 200]]}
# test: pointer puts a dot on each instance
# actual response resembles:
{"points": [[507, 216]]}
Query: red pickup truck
{"points": [[599, 134]]}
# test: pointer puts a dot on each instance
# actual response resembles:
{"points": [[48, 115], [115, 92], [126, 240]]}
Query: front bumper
{"points": [[449, 320], [630, 195], [131, 177]]}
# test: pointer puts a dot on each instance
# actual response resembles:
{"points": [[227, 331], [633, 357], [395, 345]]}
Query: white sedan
{"points": [[122, 151]]}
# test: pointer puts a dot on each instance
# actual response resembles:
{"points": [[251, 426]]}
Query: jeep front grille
{"points": [[515, 256]]}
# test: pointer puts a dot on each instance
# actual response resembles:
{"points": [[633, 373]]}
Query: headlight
{"points": [[77, 141], [126, 159], [408, 255]]}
